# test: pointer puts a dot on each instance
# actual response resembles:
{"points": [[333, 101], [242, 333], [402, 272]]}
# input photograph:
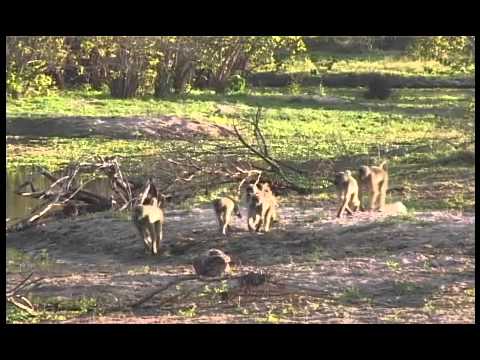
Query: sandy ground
{"points": [[361, 269]]}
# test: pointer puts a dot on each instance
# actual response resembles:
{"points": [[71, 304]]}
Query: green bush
{"points": [[236, 84], [30, 82], [378, 88]]}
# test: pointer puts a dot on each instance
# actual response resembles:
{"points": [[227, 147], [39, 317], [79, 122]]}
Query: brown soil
{"points": [[365, 269]]}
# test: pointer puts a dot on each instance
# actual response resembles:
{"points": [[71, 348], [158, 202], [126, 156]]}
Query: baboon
{"points": [[347, 189], [375, 180], [224, 208], [148, 220], [70, 209], [261, 208], [395, 208], [265, 187]]}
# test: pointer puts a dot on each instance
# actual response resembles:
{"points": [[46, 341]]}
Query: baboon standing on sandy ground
{"points": [[224, 208], [149, 219], [374, 179], [261, 205], [347, 189]]}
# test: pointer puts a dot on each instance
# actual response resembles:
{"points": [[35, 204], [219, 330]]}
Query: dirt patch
{"points": [[367, 269], [164, 127]]}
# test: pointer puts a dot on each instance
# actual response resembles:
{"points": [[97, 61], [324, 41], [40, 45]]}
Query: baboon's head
{"points": [[364, 172], [341, 177], [266, 187], [252, 189], [257, 198], [236, 211], [137, 212]]}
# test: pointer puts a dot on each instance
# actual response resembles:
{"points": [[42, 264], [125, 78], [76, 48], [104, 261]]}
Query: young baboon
{"points": [[148, 220], [375, 180], [347, 189], [224, 208], [265, 187], [261, 208]]}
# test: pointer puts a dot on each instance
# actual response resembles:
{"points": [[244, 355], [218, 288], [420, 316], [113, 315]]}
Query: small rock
{"points": [[212, 264]]}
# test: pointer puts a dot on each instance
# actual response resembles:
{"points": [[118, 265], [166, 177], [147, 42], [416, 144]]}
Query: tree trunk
{"points": [[163, 82], [57, 76], [124, 87], [221, 80], [95, 70], [183, 74]]}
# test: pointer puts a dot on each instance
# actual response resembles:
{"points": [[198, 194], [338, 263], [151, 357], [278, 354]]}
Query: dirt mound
{"points": [[163, 127]]}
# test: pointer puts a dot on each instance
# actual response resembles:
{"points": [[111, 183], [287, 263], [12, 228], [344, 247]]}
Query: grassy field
{"points": [[387, 62], [414, 128]]}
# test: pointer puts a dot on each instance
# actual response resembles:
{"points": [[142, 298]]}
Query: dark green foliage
{"points": [[378, 88], [236, 84]]}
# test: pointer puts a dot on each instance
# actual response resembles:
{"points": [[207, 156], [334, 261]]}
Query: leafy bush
{"points": [[378, 88], [236, 84], [32, 81]]}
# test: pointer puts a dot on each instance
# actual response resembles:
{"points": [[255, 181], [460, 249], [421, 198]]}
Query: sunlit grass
{"points": [[317, 130], [295, 131], [388, 62]]}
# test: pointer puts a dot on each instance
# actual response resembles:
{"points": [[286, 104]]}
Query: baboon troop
{"points": [[373, 180], [261, 206], [224, 208], [347, 189]]}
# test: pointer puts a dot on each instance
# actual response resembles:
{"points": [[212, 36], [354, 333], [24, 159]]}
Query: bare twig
{"points": [[77, 191], [45, 210], [28, 308], [14, 290], [258, 133]]}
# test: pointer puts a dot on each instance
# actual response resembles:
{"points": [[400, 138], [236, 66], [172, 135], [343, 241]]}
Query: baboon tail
{"points": [[216, 206], [137, 212]]}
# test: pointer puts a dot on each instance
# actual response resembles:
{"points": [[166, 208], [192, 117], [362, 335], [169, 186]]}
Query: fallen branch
{"points": [[28, 308], [14, 290], [20, 301], [156, 291], [263, 153]]}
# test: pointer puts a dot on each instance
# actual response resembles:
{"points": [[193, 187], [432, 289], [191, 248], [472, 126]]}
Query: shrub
{"points": [[378, 88], [236, 84]]}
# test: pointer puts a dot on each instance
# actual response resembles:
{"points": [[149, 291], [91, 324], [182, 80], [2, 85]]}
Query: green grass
{"points": [[387, 62], [19, 261], [52, 310], [295, 131], [326, 130], [353, 295], [55, 152]]}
